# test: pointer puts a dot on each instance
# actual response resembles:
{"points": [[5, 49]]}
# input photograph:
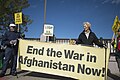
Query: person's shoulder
{"points": [[92, 33], [17, 32], [83, 32], [6, 32]]}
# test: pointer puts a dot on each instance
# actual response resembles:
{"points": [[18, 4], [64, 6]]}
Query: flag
{"points": [[116, 25]]}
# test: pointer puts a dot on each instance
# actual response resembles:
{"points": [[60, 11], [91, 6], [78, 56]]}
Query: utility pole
{"points": [[45, 2], [46, 38]]}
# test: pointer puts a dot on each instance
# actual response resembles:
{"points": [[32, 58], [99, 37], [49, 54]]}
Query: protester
{"points": [[116, 45], [10, 40], [87, 37], [52, 38]]}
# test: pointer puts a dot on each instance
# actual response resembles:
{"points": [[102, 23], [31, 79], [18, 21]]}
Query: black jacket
{"points": [[82, 39], [8, 36]]}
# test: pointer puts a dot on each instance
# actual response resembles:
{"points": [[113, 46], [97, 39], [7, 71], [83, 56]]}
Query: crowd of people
{"points": [[86, 37], [10, 43]]}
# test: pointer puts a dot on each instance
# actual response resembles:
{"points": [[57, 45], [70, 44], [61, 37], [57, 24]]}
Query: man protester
{"points": [[10, 40]]}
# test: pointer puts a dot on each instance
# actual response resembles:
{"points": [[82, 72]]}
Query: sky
{"points": [[68, 16]]}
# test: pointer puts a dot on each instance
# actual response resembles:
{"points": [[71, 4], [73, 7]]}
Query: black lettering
{"points": [[59, 54], [51, 63], [88, 71], [60, 65], [68, 54], [41, 51], [78, 56], [96, 71], [35, 51], [40, 64], [29, 62], [29, 49], [81, 69], [54, 65], [48, 52], [25, 59], [54, 53], [71, 68], [21, 59], [91, 58], [46, 64], [35, 62], [38, 51]]}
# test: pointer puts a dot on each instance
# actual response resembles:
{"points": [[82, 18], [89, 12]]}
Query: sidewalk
{"points": [[113, 74], [26, 75]]}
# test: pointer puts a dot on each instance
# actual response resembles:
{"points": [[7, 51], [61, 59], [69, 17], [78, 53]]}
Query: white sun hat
{"points": [[12, 24]]}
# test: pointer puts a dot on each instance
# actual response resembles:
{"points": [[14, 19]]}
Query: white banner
{"points": [[75, 61]]}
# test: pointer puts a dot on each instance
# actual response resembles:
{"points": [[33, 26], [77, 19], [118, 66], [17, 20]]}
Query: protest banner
{"points": [[75, 61], [48, 29], [18, 19]]}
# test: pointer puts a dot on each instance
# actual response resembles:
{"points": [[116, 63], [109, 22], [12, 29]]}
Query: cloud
{"points": [[111, 1], [115, 1]]}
